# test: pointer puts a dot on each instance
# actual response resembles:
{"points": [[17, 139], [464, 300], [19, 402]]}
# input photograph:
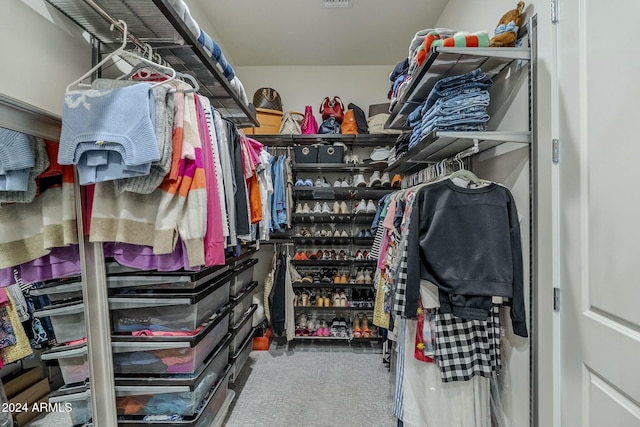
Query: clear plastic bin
{"points": [[59, 291], [243, 276], [183, 311], [79, 398], [171, 395], [214, 403], [241, 304], [67, 321], [164, 280], [240, 358], [240, 333], [73, 362], [158, 355]]}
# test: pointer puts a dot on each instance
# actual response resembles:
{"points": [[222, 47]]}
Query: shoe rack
{"points": [[332, 299]]}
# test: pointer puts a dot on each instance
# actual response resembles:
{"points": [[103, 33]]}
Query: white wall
{"points": [[510, 165], [307, 85], [42, 52]]}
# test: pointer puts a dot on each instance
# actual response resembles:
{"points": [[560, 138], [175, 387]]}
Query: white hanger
{"points": [[121, 51]]}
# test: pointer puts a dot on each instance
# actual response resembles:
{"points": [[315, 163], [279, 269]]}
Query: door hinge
{"points": [[555, 151], [554, 11], [556, 299]]}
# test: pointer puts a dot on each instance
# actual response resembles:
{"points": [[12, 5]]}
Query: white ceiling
{"points": [[303, 32]]}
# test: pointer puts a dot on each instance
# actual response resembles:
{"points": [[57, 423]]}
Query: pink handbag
{"points": [[309, 126]]}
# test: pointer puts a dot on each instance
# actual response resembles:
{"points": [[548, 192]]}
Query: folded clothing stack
{"points": [[456, 103]]}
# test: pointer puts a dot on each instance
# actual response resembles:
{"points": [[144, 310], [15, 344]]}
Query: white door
{"points": [[599, 128]]}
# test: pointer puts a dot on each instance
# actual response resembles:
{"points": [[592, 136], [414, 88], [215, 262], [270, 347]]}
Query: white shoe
{"points": [[354, 159], [326, 208], [347, 158], [344, 234], [345, 183], [336, 233], [318, 182], [338, 183], [344, 209], [317, 208], [371, 207], [385, 181], [336, 207], [361, 207], [306, 208], [299, 208], [375, 181], [358, 180]]}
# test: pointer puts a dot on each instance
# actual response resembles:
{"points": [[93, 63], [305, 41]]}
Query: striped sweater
{"points": [[182, 210]]}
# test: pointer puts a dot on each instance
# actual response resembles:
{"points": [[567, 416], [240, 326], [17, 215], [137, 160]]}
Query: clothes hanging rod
{"points": [[116, 23]]}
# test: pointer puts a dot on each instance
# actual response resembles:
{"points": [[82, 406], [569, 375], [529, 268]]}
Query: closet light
{"points": [[337, 3]]}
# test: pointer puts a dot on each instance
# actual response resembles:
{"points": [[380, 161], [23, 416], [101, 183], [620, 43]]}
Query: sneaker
{"points": [[359, 181], [326, 209], [385, 181], [345, 183], [319, 182], [375, 181], [299, 183], [344, 233], [338, 183], [306, 208], [368, 233], [344, 209], [317, 208], [379, 155], [336, 233], [361, 207], [336, 207], [299, 208], [371, 207], [308, 183], [360, 234]]}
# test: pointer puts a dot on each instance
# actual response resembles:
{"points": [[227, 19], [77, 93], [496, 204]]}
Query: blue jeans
{"points": [[454, 85]]}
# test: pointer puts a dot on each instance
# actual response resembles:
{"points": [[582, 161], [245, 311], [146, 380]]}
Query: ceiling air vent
{"points": [[337, 3]]}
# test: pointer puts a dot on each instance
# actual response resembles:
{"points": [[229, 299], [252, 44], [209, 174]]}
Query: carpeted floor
{"points": [[313, 387]]}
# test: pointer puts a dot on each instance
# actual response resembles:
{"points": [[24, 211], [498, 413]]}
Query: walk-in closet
{"points": [[318, 213]]}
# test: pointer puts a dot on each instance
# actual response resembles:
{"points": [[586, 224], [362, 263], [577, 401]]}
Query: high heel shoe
{"points": [[360, 277], [357, 331], [367, 277], [366, 332]]}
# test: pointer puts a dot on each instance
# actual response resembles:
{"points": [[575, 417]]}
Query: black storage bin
{"points": [[305, 154], [330, 154]]}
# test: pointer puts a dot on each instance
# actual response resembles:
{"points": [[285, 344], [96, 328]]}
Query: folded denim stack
{"points": [[456, 103]]}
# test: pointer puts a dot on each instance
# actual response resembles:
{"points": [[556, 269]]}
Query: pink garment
{"points": [[214, 250], [59, 263], [391, 214], [143, 258], [150, 333], [256, 148], [382, 263], [4, 299], [80, 341]]}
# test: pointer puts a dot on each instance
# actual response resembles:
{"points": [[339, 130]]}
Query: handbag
{"points": [[361, 118], [309, 125], [291, 123], [329, 126], [332, 108], [267, 98], [349, 125]]}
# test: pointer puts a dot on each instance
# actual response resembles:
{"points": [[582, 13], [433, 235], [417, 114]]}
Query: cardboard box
{"points": [[23, 418], [25, 400], [21, 382], [270, 121]]}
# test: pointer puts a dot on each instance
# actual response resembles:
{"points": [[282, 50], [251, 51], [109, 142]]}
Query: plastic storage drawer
{"points": [[243, 276], [183, 311], [59, 291], [157, 280], [161, 355], [240, 358], [179, 395], [241, 304], [67, 321], [240, 333], [204, 418], [79, 399], [73, 362]]}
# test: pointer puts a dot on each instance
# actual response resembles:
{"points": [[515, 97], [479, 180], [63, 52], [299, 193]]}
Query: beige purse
{"points": [[291, 122]]}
